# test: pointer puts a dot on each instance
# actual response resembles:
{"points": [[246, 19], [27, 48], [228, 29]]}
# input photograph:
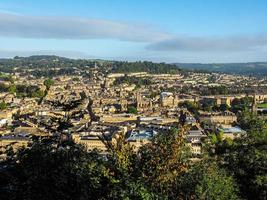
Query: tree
{"points": [[132, 110], [224, 107], [163, 160], [49, 171], [182, 118], [39, 93], [191, 107], [128, 182], [215, 184], [207, 105], [12, 89], [241, 104], [48, 83], [249, 121], [246, 159], [3, 106]]}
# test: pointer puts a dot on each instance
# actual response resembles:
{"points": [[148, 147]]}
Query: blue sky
{"points": [[157, 30]]}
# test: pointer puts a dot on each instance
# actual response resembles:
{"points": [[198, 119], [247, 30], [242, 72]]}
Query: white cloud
{"points": [[195, 44], [154, 44], [15, 25]]}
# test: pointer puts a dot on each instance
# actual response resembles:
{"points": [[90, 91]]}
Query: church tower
{"points": [[138, 101], [254, 105]]}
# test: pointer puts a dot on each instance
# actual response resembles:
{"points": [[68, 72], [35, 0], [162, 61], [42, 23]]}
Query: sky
{"points": [[198, 31]]}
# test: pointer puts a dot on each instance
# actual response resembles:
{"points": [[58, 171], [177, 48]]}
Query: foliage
{"points": [[23, 90], [132, 110], [52, 66], [249, 121], [215, 184], [161, 169], [6, 77], [224, 107], [132, 80], [241, 104], [154, 68], [263, 105], [48, 171], [208, 105], [216, 90], [247, 160], [163, 160], [191, 107], [245, 157], [3, 106], [48, 83], [252, 68]]}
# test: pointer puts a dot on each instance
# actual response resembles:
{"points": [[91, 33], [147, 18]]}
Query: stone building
{"points": [[143, 104], [168, 99]]}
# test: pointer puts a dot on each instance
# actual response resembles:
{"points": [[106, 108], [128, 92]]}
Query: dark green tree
{"points": [[48, 83], [132, 110]]}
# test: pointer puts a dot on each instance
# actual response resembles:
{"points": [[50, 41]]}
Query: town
{"points": [[133, 100], [94, 104]]}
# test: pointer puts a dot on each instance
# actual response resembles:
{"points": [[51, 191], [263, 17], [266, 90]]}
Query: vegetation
{"points": [[245, 157], [48, 83], [263, 105], [22, 90], [161, 169], [132, 110], [51, 66], [3, 106], [241, 104], [191, 106], [253, 68], [150, 67], [132, 80], [216, 90], [5, 77]]}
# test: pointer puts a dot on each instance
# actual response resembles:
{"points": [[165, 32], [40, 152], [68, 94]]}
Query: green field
{"points": [[263, 105]]}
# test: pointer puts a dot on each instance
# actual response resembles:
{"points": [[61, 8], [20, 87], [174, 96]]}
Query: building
{"points": [[143, 104], [168, 99], [194, 138], [16, 141], [218, 118], [231, 132], [90, 142], [138, 138]]}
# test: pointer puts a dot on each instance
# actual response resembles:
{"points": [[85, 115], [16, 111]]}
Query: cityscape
{"points": [[110, 127]]}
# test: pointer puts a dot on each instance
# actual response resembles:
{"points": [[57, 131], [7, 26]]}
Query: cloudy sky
{"points": [[158, 30]]}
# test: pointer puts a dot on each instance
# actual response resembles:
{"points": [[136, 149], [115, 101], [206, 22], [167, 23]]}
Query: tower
{"points": [[138, 101], [254, 105]]}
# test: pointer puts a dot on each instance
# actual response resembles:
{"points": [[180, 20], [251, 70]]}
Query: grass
{"points": [[263, 105]]}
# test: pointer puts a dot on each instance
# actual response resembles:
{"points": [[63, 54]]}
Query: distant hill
{"points": [[49, 66], [44, 62], [251, 68]]}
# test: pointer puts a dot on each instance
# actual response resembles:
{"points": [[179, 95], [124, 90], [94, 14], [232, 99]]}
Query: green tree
{"points": [[128, 182], [48, 83], [224, 107], [132, 110], [247, 160], [249, 121], [3, 105], [215, 184], [163, 160], [12, 89], [47, 170], [39, 93]]}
